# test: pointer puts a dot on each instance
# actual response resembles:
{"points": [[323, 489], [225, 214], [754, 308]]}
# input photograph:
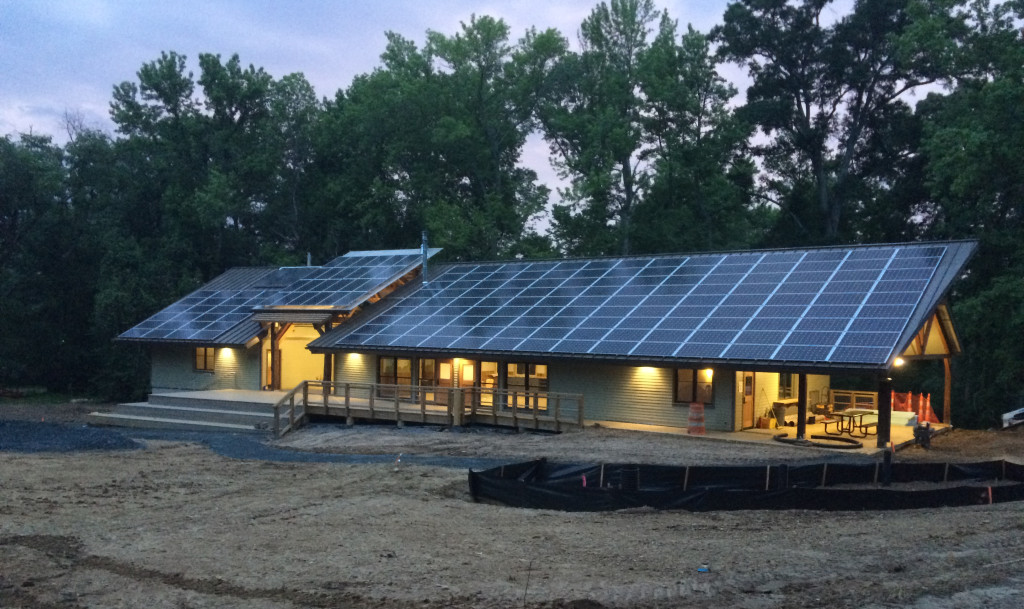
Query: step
{"points": [[213, 415], [126, 420], [218, 404]]}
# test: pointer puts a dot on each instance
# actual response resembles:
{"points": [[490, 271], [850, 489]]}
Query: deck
{"points": [[534, 410]]}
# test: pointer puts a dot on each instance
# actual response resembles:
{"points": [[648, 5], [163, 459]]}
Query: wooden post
{"points": [[423, 406], [801, 406], [398, 411], [558, 422], [580, 414], [456, 406], [947, 392], [884, 410]]}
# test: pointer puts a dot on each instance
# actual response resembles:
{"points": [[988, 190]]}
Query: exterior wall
{"points": [[355, 367], [173, 369], [640, 395]]}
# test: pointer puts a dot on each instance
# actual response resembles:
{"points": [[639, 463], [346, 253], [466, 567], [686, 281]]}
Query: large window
{"points": [[526, 381], [395, 371], [204, 359], [693, 385]]}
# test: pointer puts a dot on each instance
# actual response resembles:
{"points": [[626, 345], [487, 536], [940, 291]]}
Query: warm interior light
{"points": [[899, 361], [707, 374]]}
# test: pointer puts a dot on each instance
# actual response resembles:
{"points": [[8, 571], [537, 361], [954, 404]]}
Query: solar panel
{"points": [[843, 305], [224, 306], [207, 314], [345, 282]]}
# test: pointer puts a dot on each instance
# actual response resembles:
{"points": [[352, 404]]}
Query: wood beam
{"points": [[884, 411], [947, 392], [801, 406]]}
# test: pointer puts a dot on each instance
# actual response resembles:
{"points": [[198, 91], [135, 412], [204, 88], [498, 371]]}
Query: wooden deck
{"points": [[432, 405]]}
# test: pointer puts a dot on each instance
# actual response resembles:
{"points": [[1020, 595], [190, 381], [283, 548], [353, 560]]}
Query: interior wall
{"points": [[297, 363]]}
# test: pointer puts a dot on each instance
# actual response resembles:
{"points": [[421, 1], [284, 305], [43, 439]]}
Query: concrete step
{"points": [[148, 422], [212, 415], [185, 401]]}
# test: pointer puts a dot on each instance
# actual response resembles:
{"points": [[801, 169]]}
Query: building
{"points": [[640, 338]]}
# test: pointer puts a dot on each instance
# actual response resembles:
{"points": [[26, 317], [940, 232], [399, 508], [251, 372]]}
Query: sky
{"points": [[61, 57]]}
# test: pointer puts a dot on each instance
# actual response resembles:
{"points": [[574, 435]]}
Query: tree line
{"points": [[900, 120]]}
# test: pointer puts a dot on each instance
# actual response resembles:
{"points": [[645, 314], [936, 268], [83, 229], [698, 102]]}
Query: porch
{"points": [[519, 409]]}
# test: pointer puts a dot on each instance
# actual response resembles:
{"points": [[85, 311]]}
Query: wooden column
{"points": [[274, 379], [884, 410], [947, 393], [801, 406]]}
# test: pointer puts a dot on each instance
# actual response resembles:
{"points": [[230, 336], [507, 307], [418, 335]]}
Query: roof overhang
{"points": [[295, 316]]}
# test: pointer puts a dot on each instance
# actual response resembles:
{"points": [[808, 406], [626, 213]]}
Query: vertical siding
{"points": [[174, 369], [633, 394], [355, 367]]}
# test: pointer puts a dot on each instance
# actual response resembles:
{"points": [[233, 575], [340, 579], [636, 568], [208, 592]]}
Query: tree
{"points": [[594, 124], [451, 165], [971, 144], [824, 92], [699, 194]]}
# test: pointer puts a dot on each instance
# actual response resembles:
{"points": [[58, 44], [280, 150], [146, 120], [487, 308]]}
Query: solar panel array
{"points": [[202, 316], [827, 305], [228, 301], [345, 282]]}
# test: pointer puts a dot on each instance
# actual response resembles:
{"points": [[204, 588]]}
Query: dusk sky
{"points": [[61, 57]]}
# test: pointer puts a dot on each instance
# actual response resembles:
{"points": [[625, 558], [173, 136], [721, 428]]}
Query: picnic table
{"points": [[851, 420]]}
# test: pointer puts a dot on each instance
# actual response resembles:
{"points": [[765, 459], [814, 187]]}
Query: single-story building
{"points": [[641, 338]]}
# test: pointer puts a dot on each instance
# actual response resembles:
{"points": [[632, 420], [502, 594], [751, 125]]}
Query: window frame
{"points": [[208, 356], [695, 387]]}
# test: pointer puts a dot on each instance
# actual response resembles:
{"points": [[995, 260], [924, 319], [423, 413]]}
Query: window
{"points": [[394, 371], [204, 359], [693, 385], [528, 382], [786, 385]]}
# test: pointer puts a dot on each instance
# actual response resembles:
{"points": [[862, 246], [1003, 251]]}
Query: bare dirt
{"points": [[176, 525]]}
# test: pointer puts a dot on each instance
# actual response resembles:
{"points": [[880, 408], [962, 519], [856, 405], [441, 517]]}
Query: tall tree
{"points": [[972, 143], [699, 194], [593, 121], [821, 92]]}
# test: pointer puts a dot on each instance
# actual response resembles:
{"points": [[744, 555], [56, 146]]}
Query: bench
{"points": [[869, 428]]}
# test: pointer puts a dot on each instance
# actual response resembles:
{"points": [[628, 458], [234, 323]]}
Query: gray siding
{"points": [[639, 395], [355, 367], [173, 369]]}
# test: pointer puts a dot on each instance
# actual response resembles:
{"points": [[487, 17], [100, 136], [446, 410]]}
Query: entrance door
{"points": [[748, 399]]}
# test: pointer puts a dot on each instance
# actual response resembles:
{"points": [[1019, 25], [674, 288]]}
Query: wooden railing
{"points": [[295, 413], [426, 404], [843, 399]]}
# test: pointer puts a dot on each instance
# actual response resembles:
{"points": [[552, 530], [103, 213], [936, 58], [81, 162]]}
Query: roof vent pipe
{"points": [[309, 259], [423, 252]]}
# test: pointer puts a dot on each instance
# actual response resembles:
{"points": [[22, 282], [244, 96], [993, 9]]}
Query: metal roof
{"points": [[853, 307]]}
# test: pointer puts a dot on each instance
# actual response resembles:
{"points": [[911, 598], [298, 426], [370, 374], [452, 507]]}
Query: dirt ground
{"points": [[175, 525]]}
